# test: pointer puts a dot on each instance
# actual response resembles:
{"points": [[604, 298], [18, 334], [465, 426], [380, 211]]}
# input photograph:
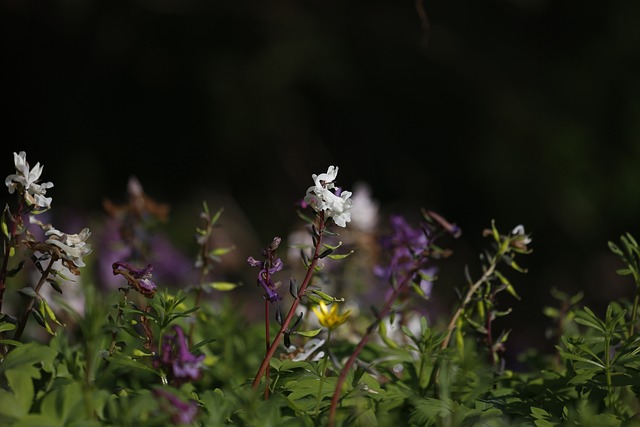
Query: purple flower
{"points": [[176, 359], [268, 267], [182, 412], [138, 278], [171, 266], [408, 247]]}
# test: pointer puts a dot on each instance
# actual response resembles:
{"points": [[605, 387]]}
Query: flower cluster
{"points": [[176, 360], [25, 181], [268, 268], [182, 413], [406, 244], [336, 205], [70, 248], [137, 278]]}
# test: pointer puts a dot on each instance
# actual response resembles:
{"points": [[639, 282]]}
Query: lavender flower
{"points": [[268, 267], [180, 364], [181, 412], [138, 278], [406, 246]]}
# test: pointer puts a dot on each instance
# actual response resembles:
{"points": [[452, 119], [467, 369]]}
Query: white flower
{"points": [[309, 348], [33, 192], [72, 246], [518, 230], [365, 208], [337, 205]]}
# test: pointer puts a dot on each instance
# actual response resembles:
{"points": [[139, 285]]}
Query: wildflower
{"points": [[181, 412], [138, 278], [180, 364], [268, 267], [408, 247], [519, 239], [25, 180], [70, 248], [336, 205], [329, 318], [73, 246]]}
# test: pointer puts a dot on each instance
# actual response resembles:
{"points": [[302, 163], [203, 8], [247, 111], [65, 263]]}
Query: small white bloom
{"points": [[309, 348], [326, 179], [518, 230], [27, 178], [320, 198], [73, 246]]}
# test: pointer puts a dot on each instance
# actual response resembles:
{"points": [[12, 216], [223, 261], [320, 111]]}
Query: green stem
{"points": [[607, 368], [634, 313], [472, 290], [323, 372], [365, 338]]}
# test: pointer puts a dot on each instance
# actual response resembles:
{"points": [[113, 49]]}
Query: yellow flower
{"points": [[330, 318]]}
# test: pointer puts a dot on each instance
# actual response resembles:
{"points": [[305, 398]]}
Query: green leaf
{"points": [[9, 407], [326, 297], [37, 420], [5, 229], [21, 384], [14, 271], [586, 317], [27, 355], [217, 252], [11, 342], [311, 333], [340, 256], [615, 249], [28, 292], [624, 272], [222, 286], [577, 358], [6, 326], [201, 343], [127, 361]]}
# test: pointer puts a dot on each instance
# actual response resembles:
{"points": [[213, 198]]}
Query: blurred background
{"points": [[522, 111]]}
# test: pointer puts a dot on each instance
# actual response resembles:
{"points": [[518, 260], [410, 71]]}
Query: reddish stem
{"points": [[285, 324], [365, 338]]}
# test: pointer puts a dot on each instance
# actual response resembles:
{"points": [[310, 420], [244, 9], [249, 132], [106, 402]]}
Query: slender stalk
{"points": [[365, 339], [25, 315], [118, 321], [285, 324], [323, 372], [267, 338], [607, 369], [634, 313], [467, 298]]}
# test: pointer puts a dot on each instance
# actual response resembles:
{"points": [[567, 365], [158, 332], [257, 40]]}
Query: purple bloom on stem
{"points": [[182, 412], [181, 365], [139, 278], [268, 267], [407, 245]]}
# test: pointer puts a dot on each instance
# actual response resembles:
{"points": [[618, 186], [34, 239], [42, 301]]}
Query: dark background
{"points": [[522, 111]]}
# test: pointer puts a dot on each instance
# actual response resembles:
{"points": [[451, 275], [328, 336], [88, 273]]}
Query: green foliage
{"points": [[144, 355]]}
